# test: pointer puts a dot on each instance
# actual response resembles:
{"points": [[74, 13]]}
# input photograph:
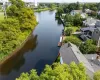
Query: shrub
{"points": [[73, 40], [88, 47], [69, 31], [97, 76]]}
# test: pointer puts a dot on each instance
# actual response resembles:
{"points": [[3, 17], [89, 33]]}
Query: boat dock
{"points": [[60, 42]]}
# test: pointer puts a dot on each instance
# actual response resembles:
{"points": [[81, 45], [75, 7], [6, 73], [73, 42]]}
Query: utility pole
{"points": [[4, 8], [35, 2]]}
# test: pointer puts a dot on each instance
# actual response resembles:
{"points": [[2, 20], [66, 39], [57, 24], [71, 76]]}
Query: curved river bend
{"points": [[40, 48]]}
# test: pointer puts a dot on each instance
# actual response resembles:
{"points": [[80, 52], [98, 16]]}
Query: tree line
{"points": [[59, 71], [15, 28]]}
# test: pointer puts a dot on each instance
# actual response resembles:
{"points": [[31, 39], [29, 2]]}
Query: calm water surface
{"points": [[40, 49]]}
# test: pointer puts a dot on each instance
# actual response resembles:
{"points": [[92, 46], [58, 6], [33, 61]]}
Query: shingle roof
{"points": [[88, 29], [95, 63], [90, 21], [69, 52], [79, 11]]}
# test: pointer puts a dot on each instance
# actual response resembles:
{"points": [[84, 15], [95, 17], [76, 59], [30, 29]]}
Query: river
{"points": [[40, 48]]}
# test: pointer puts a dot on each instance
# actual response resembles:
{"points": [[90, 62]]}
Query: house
{"points": [[74, 12], [96, 36], [98, 12], [83, 15], [97, 24], [29, 3], [88, 11], [87, 32], [70, 52], [89, 22], [91, 33], [94, 60]]}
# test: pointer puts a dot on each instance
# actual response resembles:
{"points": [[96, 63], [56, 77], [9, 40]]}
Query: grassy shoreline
{"points": [[44, 9], [18, 47]]}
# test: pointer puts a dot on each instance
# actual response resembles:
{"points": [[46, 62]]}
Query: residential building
{"points": [[73, 12], [96, 35], [98, 12], [91, 33], [87, 32], [70, 52], [97, 24], [88, 11], [83, 15], [29, 3], [89, 22]]}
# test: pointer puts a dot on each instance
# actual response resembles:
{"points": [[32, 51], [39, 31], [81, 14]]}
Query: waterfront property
{"points": [[70, 52], [74, 12], [89, 22], [87, 32], [91, 33], [88, 11]]}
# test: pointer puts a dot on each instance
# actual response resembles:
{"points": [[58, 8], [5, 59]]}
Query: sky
{"points": [[60, 1], [68, 0]]}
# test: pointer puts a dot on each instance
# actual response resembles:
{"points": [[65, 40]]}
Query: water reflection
{"points": [[18, 60]]}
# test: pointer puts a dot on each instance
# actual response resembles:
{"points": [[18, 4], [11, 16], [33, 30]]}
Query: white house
{"points": [[88, 11], [29, 2], [83, 15], [73, 12], [89, 22]]}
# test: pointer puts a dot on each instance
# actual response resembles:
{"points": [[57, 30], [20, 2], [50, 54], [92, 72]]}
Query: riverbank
{"points": [[36, 52], [44, 9], [17, 48]]}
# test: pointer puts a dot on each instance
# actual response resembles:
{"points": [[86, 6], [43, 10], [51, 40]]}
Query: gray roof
{"points": [[98, 28], [88, 29], [77, 11], [95, 63], [90, 21], [69, 52]]}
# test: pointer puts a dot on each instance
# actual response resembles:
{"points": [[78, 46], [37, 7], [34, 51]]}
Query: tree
{"points": [[68, 18], [0, 7], [69, 31], [88, 47], [73, 40], [98, 6], [26, 76], [59, 12], [93, 14], [77, 6], [24, 14], [16, 27], [97, 76], [98, 16], [77, 20], [52, 6], [94, 8], [58, 72]]}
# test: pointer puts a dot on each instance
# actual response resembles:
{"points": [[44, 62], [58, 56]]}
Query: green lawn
{"points": [[1, 16], [73, 27]]}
